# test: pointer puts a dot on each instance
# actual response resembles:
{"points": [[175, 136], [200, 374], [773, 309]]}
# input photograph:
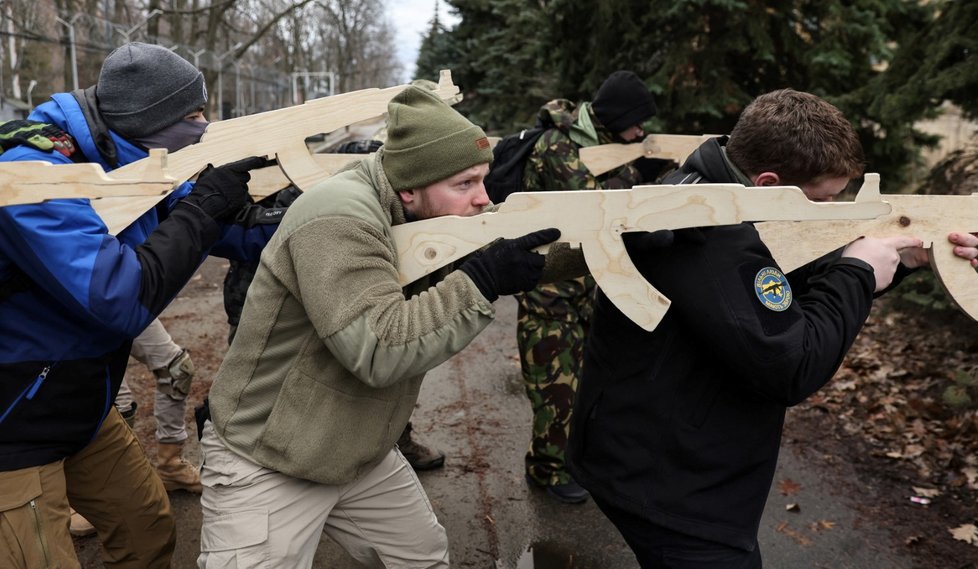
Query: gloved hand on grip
{"points": [[652, 169], [509, 266], [222, 191], [40, 135], [642, 241]]}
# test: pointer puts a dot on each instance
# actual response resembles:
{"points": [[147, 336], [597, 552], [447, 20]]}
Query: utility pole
{"points": [[108, 21], [220, 78], [70, 24]]}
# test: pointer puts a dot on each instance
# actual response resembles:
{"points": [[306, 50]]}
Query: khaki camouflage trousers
{"points": [[551, 355]]}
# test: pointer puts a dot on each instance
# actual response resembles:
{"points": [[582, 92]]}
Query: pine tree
{"points": [[436, 51], [502, 64], [706, 59]]}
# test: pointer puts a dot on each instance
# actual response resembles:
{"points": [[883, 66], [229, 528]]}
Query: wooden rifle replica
{"points": [[929, 218], [36, 181], [124, 194], [595, 221], [266, 181], [606, 157]]}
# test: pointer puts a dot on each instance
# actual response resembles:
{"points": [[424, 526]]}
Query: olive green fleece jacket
{"points": [[328, 358]]}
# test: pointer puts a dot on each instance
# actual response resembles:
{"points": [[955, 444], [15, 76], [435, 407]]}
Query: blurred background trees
{"points": [[890, 65], [257, 55]]}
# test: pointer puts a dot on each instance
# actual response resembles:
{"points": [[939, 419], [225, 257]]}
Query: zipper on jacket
{"points": [[32, 390], [42, 541], [28, 392]]}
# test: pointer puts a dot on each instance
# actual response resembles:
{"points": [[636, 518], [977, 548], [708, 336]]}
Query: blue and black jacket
{"points": [[74, 296]]}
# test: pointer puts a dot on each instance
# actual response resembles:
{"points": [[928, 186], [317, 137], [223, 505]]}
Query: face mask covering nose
{"points": [[176, 136]]}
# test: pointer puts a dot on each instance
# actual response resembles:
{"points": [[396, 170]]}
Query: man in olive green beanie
{"points": [[330, 351], [429, 141]]}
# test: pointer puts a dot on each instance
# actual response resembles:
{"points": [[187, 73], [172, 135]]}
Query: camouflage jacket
{"points": [[555, 164]]}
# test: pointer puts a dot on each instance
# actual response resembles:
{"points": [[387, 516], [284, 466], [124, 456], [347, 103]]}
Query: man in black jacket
{"points": [[676, 432]]}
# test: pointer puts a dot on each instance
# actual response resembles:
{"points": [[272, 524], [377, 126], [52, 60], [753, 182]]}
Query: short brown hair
{"points": [[796, 135]]}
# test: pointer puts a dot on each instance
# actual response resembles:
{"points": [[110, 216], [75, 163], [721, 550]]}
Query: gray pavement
{"points": [[474, 408]]}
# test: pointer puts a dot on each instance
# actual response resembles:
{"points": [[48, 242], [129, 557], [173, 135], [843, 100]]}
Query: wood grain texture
{"points": [[34, 181], [279, 134], [929, 218], [606, 157], [267, 181], [595, 221], [123, 195]]}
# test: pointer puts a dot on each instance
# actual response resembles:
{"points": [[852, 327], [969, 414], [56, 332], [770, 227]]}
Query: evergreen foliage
{"points": [[885, 63], [497, 53]]}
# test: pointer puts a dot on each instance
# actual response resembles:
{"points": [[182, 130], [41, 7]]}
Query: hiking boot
{"points": [[129, 415], [80, 527], [175, 472], [568, 493], [418, 455]]}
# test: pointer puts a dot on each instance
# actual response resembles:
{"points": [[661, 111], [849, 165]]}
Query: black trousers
{"points": [[657, 547]]}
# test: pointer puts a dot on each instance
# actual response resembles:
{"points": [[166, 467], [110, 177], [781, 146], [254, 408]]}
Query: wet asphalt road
{"points": [[473, 407]]}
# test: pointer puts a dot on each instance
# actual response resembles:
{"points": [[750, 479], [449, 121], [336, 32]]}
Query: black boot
{"points": [[419, 456]]}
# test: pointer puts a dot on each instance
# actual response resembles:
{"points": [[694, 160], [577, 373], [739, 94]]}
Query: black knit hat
{"points": [[144, 88], [623, 101]]}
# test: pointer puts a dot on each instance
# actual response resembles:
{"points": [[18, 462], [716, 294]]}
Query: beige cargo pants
{"points": [[256, 517]]}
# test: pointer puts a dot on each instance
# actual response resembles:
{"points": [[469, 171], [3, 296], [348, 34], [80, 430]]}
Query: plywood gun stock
{"points": [[124, 194], [606, 157], [596, 220], [267, 181], [929, 218], [32, 182]]}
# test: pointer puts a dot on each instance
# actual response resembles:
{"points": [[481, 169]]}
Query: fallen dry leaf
{"points": [[792, 507], [821, 525], [972, 474], [967, 533], [926, 492], [788, 487], [913, 451], [793, 534], [845, 385]]}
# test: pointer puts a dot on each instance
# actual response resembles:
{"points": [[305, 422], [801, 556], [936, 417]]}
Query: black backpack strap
{"points": [[509, 158]]}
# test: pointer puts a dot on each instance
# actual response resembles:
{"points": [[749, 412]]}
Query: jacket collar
{"points": [[64, 111], [389, 200]]}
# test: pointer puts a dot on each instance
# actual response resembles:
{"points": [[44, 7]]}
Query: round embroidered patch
{"points": [[772, 289]]}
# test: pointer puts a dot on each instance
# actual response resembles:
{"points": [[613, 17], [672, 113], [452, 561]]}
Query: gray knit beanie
{"points": [[144, 88], [428, 141]]}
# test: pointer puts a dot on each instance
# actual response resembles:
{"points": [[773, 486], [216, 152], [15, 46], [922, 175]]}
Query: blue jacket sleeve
{"points": [[237, 243], [240, 244], [64, 247]]}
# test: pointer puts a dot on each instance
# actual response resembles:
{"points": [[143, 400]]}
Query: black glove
{"points": [[40, 135], [644, 240], [221, 192], [509, 266], [652, 169]]}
